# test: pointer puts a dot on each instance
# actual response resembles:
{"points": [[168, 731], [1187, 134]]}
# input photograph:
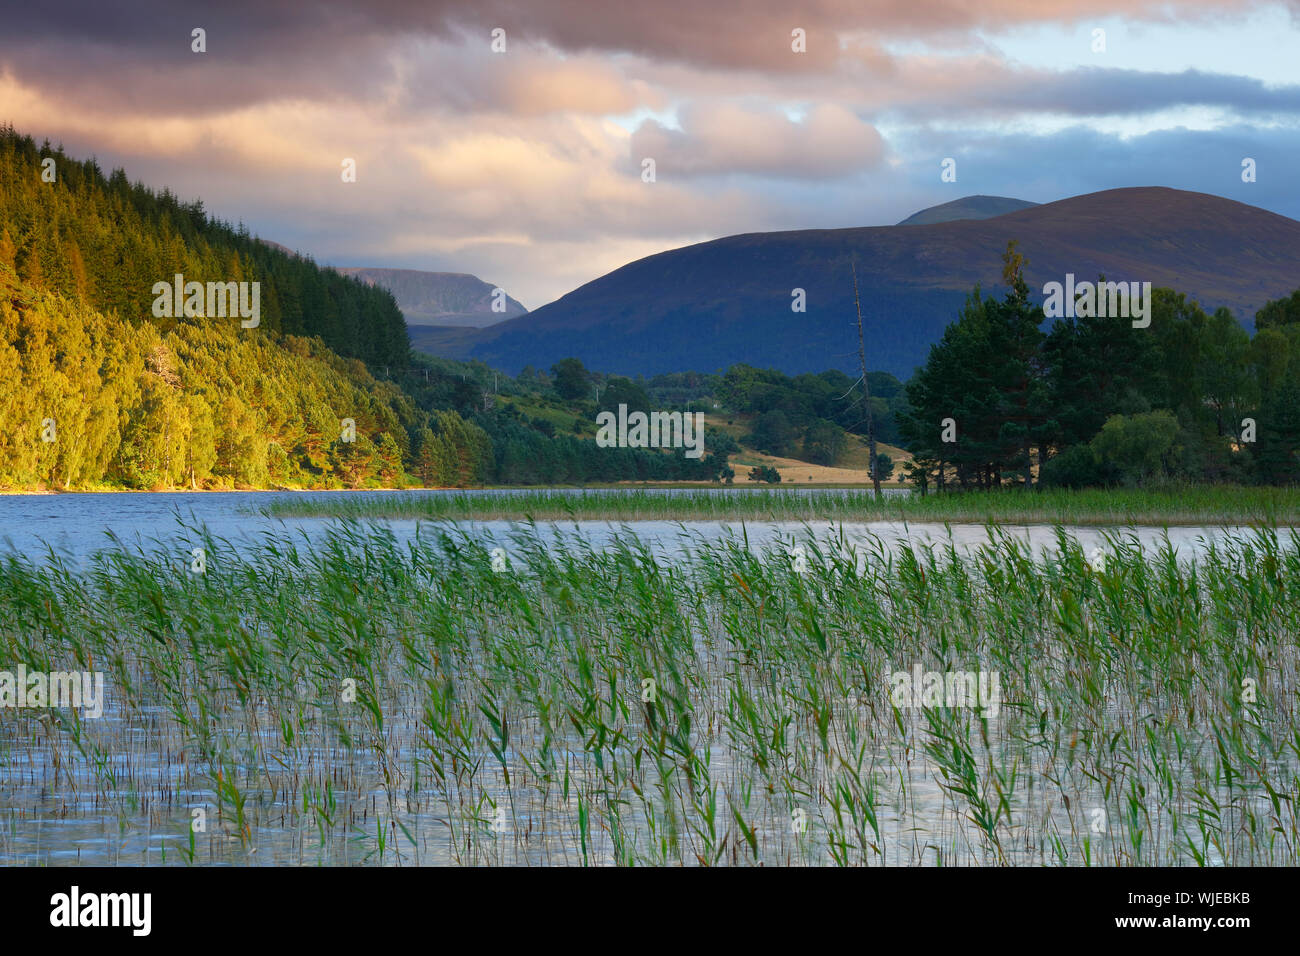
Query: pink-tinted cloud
{"points": [[526, 164], [726, 138]]}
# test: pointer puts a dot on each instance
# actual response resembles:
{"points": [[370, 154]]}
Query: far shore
{"points": [[1166, 505], [748, 485], [1190, 505]]}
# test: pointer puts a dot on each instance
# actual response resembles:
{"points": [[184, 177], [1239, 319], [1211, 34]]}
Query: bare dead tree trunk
{"points": [[866, 390]]}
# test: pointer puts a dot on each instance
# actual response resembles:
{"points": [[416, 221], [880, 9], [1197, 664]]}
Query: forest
{"points": [[102, 402], [809, 416], [66, 227], [326, 393], [1194, 397], [100, 393]]}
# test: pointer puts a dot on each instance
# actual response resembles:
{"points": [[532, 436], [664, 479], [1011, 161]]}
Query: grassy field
{"points": [[1190, 505], [363, 700], [852, 467]]}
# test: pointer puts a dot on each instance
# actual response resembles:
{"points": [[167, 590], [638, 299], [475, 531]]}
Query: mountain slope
{"points": [[439, 298], [100, 388], [107, 241], [98, 400], [969, 207], [706, 306]]}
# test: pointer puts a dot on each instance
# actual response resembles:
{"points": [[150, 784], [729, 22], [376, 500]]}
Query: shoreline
{"points": [[1224, 506], [631, 486], [1172, 507]]}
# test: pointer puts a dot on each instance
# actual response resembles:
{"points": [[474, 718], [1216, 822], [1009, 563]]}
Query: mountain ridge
{"points": [[968, 207], [727, 300]]}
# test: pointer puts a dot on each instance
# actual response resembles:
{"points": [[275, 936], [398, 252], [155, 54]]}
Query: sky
{"points": [[522, 159]]}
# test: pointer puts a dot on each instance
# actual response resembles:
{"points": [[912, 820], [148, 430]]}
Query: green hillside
{"points": [[97, 401], [100, 388], [103, 391], [96, 390], [105, 241]]}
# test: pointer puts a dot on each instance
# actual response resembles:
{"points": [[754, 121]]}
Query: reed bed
{"points": [[1179, 505], [360, 700]]}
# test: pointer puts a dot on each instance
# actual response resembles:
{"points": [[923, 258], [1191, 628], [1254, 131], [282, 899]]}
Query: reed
{"points": [[1168, 506], [360, 699]]}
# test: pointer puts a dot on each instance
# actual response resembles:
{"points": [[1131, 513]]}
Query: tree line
{"points": [[140, 402], [1094, 401], [68, 228], [98, 391], [91, 400]]}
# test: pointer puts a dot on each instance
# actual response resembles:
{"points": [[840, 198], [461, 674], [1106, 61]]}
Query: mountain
{"points": [[706, 306], [446, 341], [439, 298], [971, 207]]}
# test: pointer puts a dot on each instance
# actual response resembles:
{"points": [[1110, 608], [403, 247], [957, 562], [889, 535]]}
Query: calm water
{"points": [[50, 812], [77, 525]]}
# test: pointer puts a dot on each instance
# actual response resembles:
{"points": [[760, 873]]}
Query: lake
{"points": [[77, 524], [503, 716]]}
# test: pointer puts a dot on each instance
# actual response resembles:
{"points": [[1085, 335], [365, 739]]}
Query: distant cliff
{"points": [[440, 298]]}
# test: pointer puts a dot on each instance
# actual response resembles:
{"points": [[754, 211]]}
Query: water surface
{"points": [[76, 525]]}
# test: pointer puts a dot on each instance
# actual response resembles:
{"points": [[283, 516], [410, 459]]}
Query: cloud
{"points": [[525, 166], [266, 49], [1096, 91], [727, 139], [1044, 168]]}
